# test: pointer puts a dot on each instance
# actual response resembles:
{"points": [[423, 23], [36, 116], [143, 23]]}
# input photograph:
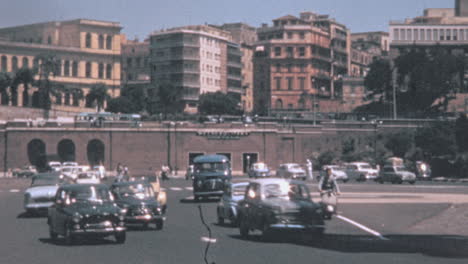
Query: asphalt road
{"points": [[377, 224]]}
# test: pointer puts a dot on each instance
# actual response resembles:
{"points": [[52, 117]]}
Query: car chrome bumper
{"points": [[107, 230], [210, 193], [295, 226], [144, 218], [38, 206]]}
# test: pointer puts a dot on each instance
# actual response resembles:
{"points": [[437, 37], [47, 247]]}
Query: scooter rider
{"points": [[329, 189]]}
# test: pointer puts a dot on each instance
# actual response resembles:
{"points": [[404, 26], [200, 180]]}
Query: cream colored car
{"points": [[156, 184]]}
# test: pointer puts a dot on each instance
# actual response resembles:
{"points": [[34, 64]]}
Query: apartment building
{"points": [[198, 59], [89, 52], [135, 62]]}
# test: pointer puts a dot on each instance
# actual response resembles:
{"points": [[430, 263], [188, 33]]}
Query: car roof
{"points": [[359, 163], [239, 184], [275, 181], [211, 158], [288, 164], [128, 183], [81, 186]]}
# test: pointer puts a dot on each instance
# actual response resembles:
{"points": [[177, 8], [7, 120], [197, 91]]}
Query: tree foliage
{"points": [[461, 133], [48, 66], [98, 94], [121, 104], [218, 103], [165, 99], [326, 158], [379, 80], [399, 143], [436, 139]]}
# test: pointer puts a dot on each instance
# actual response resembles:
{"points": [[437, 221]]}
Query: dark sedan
{"points": [[279, 204], [85, 210], [138, 200]]}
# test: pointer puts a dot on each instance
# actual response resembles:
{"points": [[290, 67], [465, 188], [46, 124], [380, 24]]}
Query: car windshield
{"points": [[89, 194], [45, 181], [211, 167], [139, 191], [239, 190], [285, 191]]}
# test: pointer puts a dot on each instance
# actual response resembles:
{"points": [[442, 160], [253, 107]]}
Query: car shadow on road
{"points": [[446, 246], [191, 200], [79, 242], [23, 215]]}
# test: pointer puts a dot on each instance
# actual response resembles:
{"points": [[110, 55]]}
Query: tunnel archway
{"points": [[96, 152], [37, 153], [66, 150]]}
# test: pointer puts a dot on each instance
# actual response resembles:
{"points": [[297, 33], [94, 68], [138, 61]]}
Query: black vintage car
{"points": [[211, 174], [85, 210], [279, 204], [138, 200]]}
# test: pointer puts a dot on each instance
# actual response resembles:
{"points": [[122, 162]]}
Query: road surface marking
{"points": [[14, 190], [207, 239], [175, 189], [362, 227], [189, 188]]}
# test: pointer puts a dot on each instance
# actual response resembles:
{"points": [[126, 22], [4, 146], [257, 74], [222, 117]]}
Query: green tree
{"points": [[137, 96], [165, 99], [437, 139], [48, 66], [379, 80], [326, 158], [5, 82], [218, 103], [24, 76], [98, 94], [399, 143], [461, 133], [121, 104]]}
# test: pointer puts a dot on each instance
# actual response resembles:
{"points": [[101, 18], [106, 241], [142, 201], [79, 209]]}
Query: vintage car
{"points": [[211, 174], [40, 195], [26, 171], [338, 172], [139, 201], [258, 169], [155, 182], [279, 204], [54, 165], [361, 171], [72, 172], [396, 174], [189, 172], [89, 177], [423, 170], [291, 171], [100, 170], [227, 206], [70, 164], [83, 210]]}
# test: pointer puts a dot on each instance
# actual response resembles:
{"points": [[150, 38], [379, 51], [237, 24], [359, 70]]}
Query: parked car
{"points": [[26, 171], [189, 172], [361, 171], [54, 165], [396, 174], [40, 195], [227, 207], [291, 171], [101, 171], [423, 170], [70, 164], [258, 169], [212, 173], [338, 172], [279, 204], [85, 210], [89, 177], [139, 201], [72, 172]]}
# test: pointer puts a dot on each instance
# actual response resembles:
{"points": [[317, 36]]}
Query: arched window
{"points": [[109, 71], [25, 62], [279, 104], [75, 69], [58, 68], [101, 71], [4, 67], [88, 40], [101, 41], [88, 70], [66, 68], [14, 64], [67, 98], [58, 99], [109, 42], [36, 63], [76, 99]]}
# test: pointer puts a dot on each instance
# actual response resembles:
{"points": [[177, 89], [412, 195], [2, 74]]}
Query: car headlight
{"points": [[199, 183], [330, 208], [76, 218]]}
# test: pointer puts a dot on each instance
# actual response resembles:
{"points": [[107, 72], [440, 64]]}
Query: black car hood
{"points": [[210, 174], [91, 208], [289, 206], [132, 201]]}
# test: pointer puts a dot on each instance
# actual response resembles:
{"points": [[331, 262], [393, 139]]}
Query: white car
{"points": [[361, 171], [89, 177], [100, 170], [70, 164], [72, 172], [40, 195], [338, 172], [55, 165], [291, 171]]}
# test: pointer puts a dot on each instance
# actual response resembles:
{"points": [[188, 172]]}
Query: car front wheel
{"points": [[244, 228], [120, 237]]}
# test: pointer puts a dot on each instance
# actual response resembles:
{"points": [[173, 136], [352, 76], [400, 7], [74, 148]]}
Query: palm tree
{"points": [[5, 82], [48, 66], [98, 94], [26, 77]]}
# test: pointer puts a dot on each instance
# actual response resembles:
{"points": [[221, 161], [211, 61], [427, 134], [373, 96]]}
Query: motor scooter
{"points": [[329, 203]]}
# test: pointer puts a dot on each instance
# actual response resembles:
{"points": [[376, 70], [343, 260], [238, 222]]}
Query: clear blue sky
{"points": [[141, 17]]}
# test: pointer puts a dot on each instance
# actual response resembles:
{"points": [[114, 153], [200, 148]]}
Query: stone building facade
{"points": [[88, 51]]}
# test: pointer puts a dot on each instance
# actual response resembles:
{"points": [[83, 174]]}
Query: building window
{"points": [[290, 83], [408, 34], [415, 34], [301, 51], [88, 70], [101, 41], [277, 51], [290, 106], [302, 35], [302, 67], [49, 40], [442, 34], [455, 34], [429, 34], [25, 63], [462, 34], [290, 35], [290, 51], [109, 42], [66, 68], [279, 104], [58, 69], [101, 71], [278, 83], [36, 64], [67, 99], [88, 40], [75, 69], [14, 64], [4, 64], [402, 34], [435, 35], [108, 71], [138, 62], [448, 34], [289, 67], [396, 36], [302, 83], [129, 62], [278, 67], [422, 35]]}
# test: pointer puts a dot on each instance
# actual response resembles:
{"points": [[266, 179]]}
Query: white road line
{"points": [[175, 189], [14, 190], [368, 230], [207, 239], [189, 188]]}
